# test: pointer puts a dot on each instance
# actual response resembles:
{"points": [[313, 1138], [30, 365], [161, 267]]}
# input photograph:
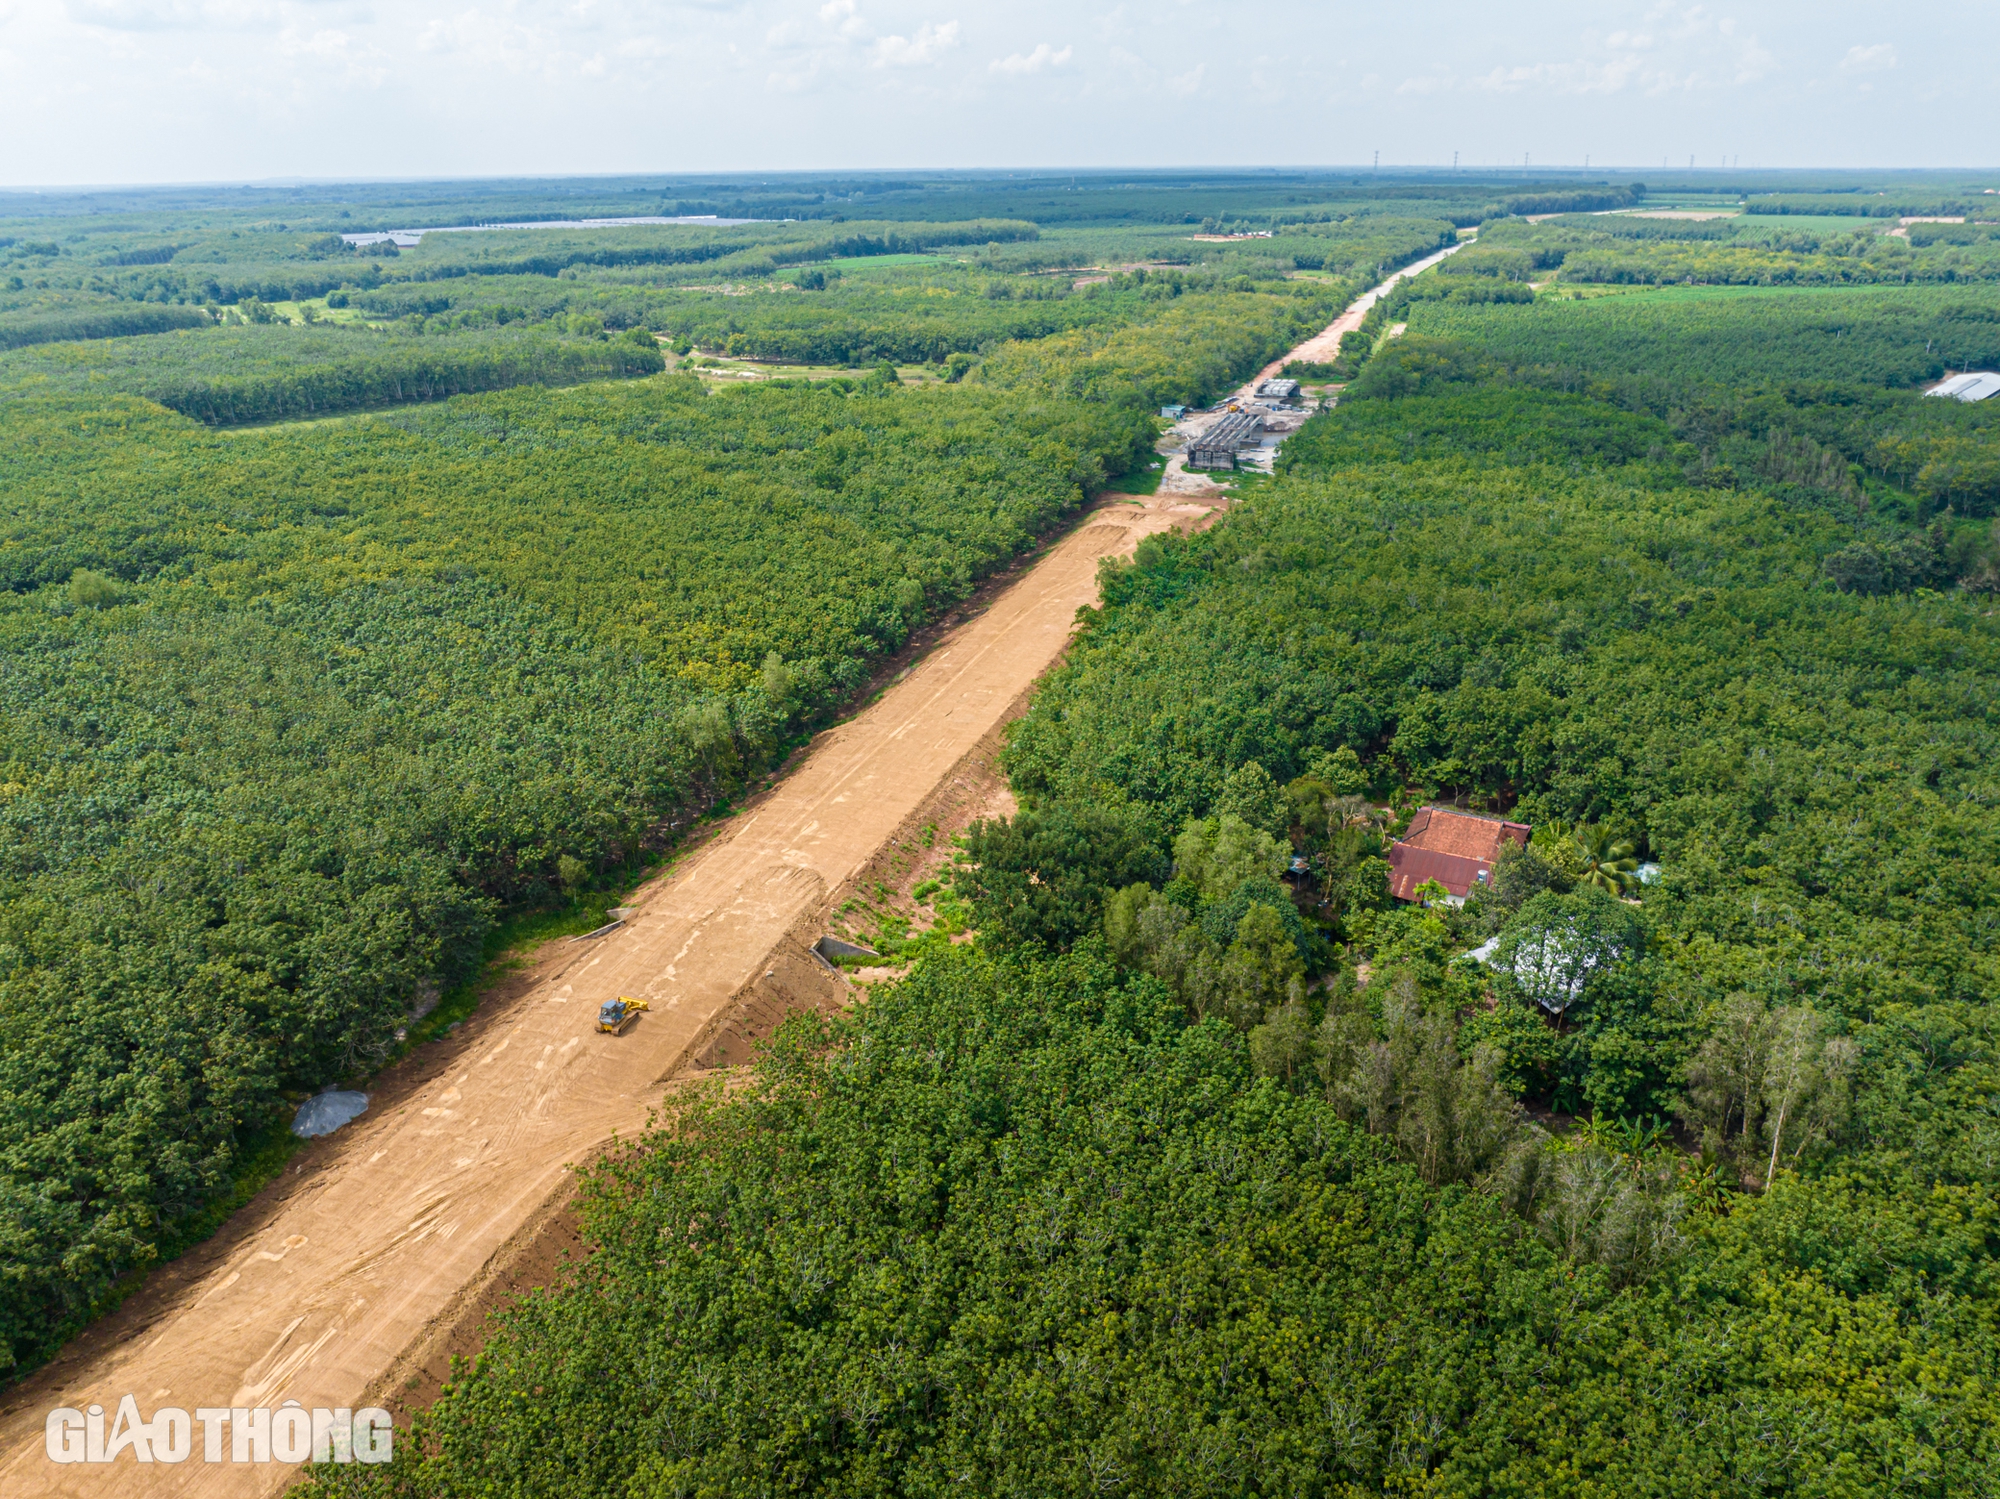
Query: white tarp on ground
{"points": [[324, 1113]]}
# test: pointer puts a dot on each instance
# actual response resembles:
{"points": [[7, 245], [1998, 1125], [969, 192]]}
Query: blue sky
{"points": [[179, 90]]}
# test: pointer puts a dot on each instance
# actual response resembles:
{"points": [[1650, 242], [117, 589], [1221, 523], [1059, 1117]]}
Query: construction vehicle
{"points": [[615, 1014]]}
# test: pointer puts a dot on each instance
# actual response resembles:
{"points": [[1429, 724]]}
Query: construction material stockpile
{"points": [[1217, 447]]}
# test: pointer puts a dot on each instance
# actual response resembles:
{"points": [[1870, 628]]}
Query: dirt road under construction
{"points": [[1319, 349], [1322, 346], [316, 1297], [393, 1234]]}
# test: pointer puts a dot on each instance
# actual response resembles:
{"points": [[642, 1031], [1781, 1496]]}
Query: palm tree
{"points": [[1610, 866]]}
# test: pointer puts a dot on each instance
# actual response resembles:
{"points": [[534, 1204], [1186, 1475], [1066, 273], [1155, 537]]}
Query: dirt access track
{"points": [[1324, 345], [1319, 349], [317, 1299]]}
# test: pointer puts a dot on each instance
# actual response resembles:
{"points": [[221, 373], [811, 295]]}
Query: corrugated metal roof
{"points": [[1975, 385], [1455, 848], [1409, 867], [1447, 830]]}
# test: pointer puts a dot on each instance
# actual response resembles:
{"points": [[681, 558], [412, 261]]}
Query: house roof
{"points": [[1410, 867], [1446, 830], [1455, 848]]}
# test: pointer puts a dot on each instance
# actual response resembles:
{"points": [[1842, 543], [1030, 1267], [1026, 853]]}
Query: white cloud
{"points": [[1747, 60], [918, 51], [489, 41], [327, 44], [842, 14], [1752, 62], [1044, 56], [793, 80], [1581, 77], [1698, 52], [168, 15], [128, 90]]}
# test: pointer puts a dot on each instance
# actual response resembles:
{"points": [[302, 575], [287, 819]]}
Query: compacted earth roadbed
{"points": [[315, 1300]]}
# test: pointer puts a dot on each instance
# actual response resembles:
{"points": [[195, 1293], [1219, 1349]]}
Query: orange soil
{"points": [[396, 1230]]}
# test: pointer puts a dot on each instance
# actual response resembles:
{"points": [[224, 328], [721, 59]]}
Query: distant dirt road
{"points": [[1323, 345], [407, 1205]]}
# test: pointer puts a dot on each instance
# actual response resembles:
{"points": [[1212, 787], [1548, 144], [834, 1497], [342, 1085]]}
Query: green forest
{"points": [[392, 596], [1191, 1180], [350, 690], [232, 376], [355, 690]]}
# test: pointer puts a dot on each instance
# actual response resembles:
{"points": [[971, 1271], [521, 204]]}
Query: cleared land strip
{"points": [[414, 1198], [1319, 349], [1325, 344]]}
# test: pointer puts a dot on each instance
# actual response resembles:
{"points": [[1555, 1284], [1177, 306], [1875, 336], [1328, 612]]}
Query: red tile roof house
{"points": [[1457, 849]]}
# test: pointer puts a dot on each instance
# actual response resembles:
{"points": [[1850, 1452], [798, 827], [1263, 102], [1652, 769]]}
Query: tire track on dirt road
{"points": [[411, 1201]]}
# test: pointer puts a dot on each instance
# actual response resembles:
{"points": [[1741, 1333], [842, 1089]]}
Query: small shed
{"points": [[1173, 413]]}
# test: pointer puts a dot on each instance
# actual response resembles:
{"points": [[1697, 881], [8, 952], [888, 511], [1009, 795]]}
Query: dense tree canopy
{"points": [[1022, 1229], [294, 713], [289, 715], [230, 376], [1666, 1163], [1702, 1147]]}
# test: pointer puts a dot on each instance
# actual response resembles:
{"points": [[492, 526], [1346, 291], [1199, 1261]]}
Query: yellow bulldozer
{"points": [[615, 1014]]}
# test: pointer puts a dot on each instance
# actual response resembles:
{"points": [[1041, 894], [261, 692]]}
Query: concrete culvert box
{"points": [[833, 950], [324, 1113]]}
